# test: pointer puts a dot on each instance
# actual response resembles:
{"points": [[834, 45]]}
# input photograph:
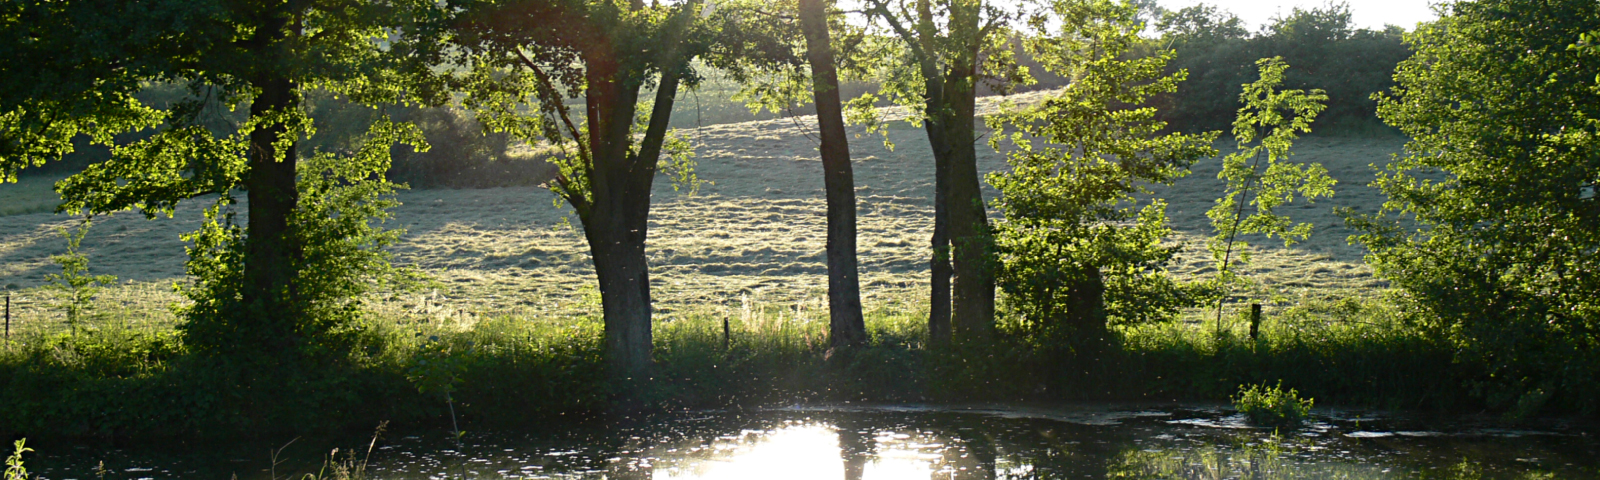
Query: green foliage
{"points": [[538, 370], [1272, 406], [1492, 223], [75, 289], [14, 467], [1071, 219], [1266, 127], [520, 78], [71, 72], [343, 201], [1327, 50], [436, 370], [932, 54], [310, 209]]}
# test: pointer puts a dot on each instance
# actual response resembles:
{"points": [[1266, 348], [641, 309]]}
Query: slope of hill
{"points": [[753, 234]]}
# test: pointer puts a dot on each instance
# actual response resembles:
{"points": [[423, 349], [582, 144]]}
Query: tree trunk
{"points": [[933, 91], [616, 242], [271, 253], [939, 265], [961, 238], [846, 326], [616, 213], [970, 240], [1086, 309]]}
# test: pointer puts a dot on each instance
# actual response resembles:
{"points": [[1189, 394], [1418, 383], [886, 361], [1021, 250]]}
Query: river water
{"points": [[892, 442]]}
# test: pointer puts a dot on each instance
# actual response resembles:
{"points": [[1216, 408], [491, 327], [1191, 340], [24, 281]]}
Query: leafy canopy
{"points": [[1266, 127], [525, 59], [1069, 202], [1492, 225]]}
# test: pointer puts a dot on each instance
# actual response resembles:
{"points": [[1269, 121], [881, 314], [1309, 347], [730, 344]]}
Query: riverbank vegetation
{"points": [[303, 303], [113, 381]]}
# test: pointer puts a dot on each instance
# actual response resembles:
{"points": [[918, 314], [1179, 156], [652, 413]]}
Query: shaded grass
{"points": [[33, 193], [121, 381]]}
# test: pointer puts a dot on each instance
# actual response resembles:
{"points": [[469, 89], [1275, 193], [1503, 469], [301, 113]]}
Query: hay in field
{"points": [[755, 231]]}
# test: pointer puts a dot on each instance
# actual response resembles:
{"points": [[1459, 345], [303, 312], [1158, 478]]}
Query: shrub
{"points": [[1272, 406]]}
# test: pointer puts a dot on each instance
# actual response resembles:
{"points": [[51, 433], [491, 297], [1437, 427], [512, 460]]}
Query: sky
{"points": [[1373, 14]]}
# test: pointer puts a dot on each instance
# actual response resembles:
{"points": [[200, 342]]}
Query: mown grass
{"points": [[115, 380], [31, 194]]}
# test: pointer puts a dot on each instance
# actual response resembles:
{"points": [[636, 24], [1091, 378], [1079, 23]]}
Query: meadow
{"points": [[738, 280], [753, 232]]}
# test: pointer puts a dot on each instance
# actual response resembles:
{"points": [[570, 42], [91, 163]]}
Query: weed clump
{"points": [[1272, 406], [14, 468]]}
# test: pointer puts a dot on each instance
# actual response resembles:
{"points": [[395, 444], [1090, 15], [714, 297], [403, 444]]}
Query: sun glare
{"points": [[801, 451]]}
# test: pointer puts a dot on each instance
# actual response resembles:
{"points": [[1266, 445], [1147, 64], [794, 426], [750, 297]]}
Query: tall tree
{"points": [[609, 53], [265, 54], [953, 45], [802, 62], [846, 325], [1493, 223]]}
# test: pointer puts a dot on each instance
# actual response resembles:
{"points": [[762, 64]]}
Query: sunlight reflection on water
{"points": [[912, 443]]}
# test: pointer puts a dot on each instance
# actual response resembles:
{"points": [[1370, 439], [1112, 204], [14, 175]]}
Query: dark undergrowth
{"points": [[115, 383]]}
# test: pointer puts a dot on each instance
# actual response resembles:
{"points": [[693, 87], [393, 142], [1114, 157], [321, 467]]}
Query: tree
{"points": [[75, 289], [1078, 249], [1266, 127], [259, 289], [608, 52], [1323, 44], [952, 46], [846, 325], [775, 79], [1492, 227]]}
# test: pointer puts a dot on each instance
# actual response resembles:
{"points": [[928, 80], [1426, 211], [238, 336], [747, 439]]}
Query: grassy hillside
{"points": [[753, 233]]}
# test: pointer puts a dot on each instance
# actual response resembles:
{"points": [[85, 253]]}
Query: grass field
{"points": [[753, 234]]}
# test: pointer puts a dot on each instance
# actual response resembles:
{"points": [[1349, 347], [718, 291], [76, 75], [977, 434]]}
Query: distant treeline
{"points": [[1323, 49]]}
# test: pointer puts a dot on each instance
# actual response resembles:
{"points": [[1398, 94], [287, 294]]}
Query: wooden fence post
{"points": [[1255, 320]]}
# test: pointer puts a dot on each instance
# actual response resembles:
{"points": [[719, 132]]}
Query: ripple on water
{"points": [[907, 441]]}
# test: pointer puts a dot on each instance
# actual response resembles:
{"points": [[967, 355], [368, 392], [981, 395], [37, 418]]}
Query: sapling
{"points": [[74, 287], [1266, 128]]}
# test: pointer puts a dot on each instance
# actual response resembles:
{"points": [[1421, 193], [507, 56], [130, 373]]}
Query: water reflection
{"points": [[897, 444]]}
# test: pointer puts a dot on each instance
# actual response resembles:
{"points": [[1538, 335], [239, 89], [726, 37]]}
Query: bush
{"points": [[1272, 406]]}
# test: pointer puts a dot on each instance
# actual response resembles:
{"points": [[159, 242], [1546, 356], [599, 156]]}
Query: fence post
{"points": [[726, 337], [8, 315], [1255, 320]]}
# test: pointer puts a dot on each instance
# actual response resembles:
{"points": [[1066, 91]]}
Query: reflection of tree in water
{"points": [[856, 447], [1250, 463], [984, 448], [1265, 460]]}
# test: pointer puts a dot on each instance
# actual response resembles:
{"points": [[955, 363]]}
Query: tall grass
{"points": [[117, 380]]}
